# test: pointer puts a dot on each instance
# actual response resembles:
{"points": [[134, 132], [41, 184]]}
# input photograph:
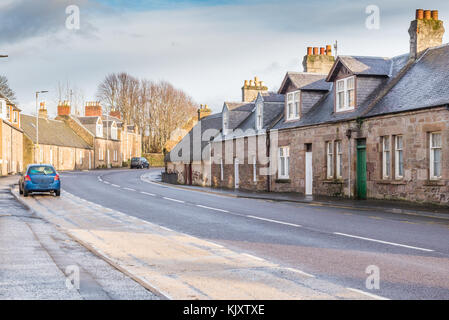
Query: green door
{"points": [[361, 169]]}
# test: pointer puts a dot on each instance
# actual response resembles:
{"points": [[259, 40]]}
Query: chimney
{"points": [[93, 109], [115, 113], [251, 89], [63, 108], [426, 31], [320, 60], [43, 111], [203, 111]]}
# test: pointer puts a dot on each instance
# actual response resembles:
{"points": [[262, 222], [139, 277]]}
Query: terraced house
{"points": [[11, 138], [363, 127]]}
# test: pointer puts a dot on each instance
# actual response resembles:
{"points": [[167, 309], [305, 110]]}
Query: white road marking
{"points": [[106, 182], [275, 221], [166, 229], [148, 194], [215, 245], [99, 179], [253, 257], [129, 189], [384, 242], [221, 210], [170, 199], [368, 294], [300, 272], [115, 186]]}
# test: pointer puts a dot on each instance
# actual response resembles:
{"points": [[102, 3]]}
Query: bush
{"points": [[155, 159]]}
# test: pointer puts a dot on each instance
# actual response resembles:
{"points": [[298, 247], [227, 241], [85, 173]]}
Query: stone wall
{"points": [[11, 149]]}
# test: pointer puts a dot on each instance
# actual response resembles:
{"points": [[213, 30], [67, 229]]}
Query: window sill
{"points": [[283, 180], [434, 183], [333, 181], [292, 119], [394, 182]]}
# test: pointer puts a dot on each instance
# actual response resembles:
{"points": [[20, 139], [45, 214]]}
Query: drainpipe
{"points": [[269, 163], [348, 135]]}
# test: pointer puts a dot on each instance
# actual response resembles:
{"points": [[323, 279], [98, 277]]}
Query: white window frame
{"points": [[15, 117], [398, 156], [259, 116], [99, 128], [346, 90], [293, 105], [433, 148], [386, 157], [284, 158], [339, 157], [8, 113], [330, 159], [100, 154], [114, 131], [254, 168], [81, 153]]}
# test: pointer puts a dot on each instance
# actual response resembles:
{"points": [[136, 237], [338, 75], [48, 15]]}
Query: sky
{"points": [[206, 48]]}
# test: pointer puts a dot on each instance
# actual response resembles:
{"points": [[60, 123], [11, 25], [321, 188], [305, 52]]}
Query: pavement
{"points": [[38, 260], [392, 206]]}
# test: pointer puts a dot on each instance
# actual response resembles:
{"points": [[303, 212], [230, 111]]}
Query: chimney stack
{"points": [[93, 109], [203, 111], [426, 31], [251, 88], [115, 113], [318, 60], [64, 108], [43, 111]]}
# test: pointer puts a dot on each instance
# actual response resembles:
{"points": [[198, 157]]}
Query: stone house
{"points": [[11, 138], [58, 144], [371, 127]]}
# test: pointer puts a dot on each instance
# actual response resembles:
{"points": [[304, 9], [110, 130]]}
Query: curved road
{"points": [[334, 244]]}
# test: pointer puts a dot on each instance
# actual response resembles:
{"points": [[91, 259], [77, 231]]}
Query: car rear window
{"points": [[135, 159], [44, 170]]}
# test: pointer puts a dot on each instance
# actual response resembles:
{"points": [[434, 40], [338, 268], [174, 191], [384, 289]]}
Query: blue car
{"points": [[40, 178]]}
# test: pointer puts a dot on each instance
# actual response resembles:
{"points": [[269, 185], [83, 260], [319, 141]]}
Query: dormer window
{"points": [[225, 122], [293, 105], [114, 131], [259, 117], [345, 94], [99, 128]]}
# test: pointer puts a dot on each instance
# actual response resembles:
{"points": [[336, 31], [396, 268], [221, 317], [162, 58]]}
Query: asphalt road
{"points": [[333, 244]]}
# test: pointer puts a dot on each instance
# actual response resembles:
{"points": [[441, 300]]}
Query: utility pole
{"points": [[37, 125]]}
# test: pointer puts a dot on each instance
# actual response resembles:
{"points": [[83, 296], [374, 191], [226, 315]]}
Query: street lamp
{"points": [[37, 124]]}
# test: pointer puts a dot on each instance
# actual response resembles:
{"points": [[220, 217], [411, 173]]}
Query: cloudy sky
{"points": [[207, 48]]}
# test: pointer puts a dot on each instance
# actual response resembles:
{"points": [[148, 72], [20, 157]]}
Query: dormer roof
{"points": [[296, 80], [358, 65]]}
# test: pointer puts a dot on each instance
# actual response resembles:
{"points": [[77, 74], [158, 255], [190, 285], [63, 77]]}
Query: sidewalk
{"points": [[390, 206]]}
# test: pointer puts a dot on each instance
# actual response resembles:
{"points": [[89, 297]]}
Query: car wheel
{"points": [[20, 190], [58, 193], [25, 193]]}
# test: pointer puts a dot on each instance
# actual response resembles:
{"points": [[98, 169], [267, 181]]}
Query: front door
{"points": [[236, 173], [361, 169], [309, 173]]}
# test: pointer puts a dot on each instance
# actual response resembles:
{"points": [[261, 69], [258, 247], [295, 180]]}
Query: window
{"points": [[399, 158], [100, 154], [339, 165], [259, 116], [81, 157], [8, 113], [293, 105], [254, 169], [114, 132], [41, 155], [284, 162], [435, 155], [115, 156], [99, 128], [345, 94], [15, 117], [330, 159], [386, 157]]}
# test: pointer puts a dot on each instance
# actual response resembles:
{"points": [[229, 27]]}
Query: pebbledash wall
{"points": [[415, 185]]}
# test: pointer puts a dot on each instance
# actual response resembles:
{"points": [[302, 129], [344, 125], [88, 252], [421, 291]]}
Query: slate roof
{"points": [[184, 150], [300, 79], [378, 66], [52, 132], [320, 85]]}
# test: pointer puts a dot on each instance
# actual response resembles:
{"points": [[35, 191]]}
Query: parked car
{"points": [[40, 178], [139, 163]]}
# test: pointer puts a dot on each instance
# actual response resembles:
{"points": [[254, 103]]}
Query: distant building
{"points": [[11, 138]]}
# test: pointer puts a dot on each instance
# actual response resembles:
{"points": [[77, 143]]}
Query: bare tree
{"points": [[6, 90], [156, 108]]}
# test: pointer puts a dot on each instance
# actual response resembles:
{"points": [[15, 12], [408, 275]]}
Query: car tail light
{"points": [[27, 178], [56, 177]]}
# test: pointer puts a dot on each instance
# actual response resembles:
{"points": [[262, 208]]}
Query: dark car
{"points": [[139, 163], [40, 178]]}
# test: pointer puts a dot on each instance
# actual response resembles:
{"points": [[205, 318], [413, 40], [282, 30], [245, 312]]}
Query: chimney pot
{"points": [[419, 14], [322, 50], [315, 51], [329, 50], [427, 14], [251, 83], [309, 51], [435, 14], [246, 83]]}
